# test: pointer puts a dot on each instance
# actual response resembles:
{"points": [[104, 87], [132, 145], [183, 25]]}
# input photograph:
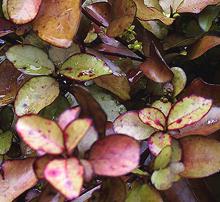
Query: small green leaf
{"points": [[30, 60], [162, 106], [83, 67], [5, 142]]}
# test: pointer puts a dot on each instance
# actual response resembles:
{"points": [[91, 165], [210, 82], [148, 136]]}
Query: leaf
{"points": [[68, 116], [5, 142], [170, 6], [203, 45], [18, 177], [114, 155], [155, 68], [75, 131], [36, 94], [123, 13], [6, 118], [195, 6], [176, 151], [149, 13], [30, 60], [187, 111], [158, 141], [23, 11], [163, 158], [117, 85], [153, 117], [179, 80], [5, 9], [6, 27], [10, 82], [130, 124], [58, 21], [40, 134], [162, 106], [66, 175], [83, 67], [143, 193], [200, 156]]}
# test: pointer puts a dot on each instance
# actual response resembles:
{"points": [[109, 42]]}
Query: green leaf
{"points": [[6, 118], [30, 60], [162, 106], [5, 142], [83, 67]]}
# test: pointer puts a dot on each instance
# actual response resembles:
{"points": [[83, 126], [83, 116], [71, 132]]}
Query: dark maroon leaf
{"points": [[6, 27]]}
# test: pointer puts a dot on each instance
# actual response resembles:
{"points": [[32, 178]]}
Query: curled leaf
{"points": [[40, 134], [114, 155]]}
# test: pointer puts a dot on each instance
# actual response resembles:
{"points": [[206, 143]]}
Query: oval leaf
{"points": [[162, 106], [30, 60], [83, 67], [40, 134], [114, 155], [187, 111], [200, 156], [36, 94], [23, 11], [130, 124], [66, 175], [153, 117], [5, 142]]}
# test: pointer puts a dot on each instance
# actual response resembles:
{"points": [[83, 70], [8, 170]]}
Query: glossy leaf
{"points": [[65, 175], [130, 124], [18, 177], [162, 106], [83, 67], [36, 94], [153, 117], [58, 21], [158, 141], [123, 13], [40, 134], [114, 155], [75, 131], [5, 142], [23, 11], [30, 60], [188, 111], [200, 156]]}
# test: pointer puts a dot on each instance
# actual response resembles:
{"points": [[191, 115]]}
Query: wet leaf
{"points": [[155, 68], [153, 117], [75, 131], [149, 13], [68, 116], [195, 6], [130, 124], [170, 6], [158, 141], [200, 156], [203, 45], [5, 142], [30, 60], [66, 175], [18, 177], [187, 111], [162, 106], [114, 155], [58, 21], [83, 67], [123, 13], [23, 11], [40, 134], [36, 94]]}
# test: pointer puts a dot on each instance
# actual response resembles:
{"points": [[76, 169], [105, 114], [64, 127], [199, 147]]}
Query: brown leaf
{"points": [[203, 45], [155, 68], [58, 21], [18, 177]]}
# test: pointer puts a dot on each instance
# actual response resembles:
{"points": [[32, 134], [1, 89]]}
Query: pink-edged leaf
{"points": [[65, 175], [153, 117], [40, 134], [18, 177], [187, 111], [68, 116], [23, 11], [158, 141], [130, 124], [75, 131], [200, 156], [162, 106], [114, 155]]}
